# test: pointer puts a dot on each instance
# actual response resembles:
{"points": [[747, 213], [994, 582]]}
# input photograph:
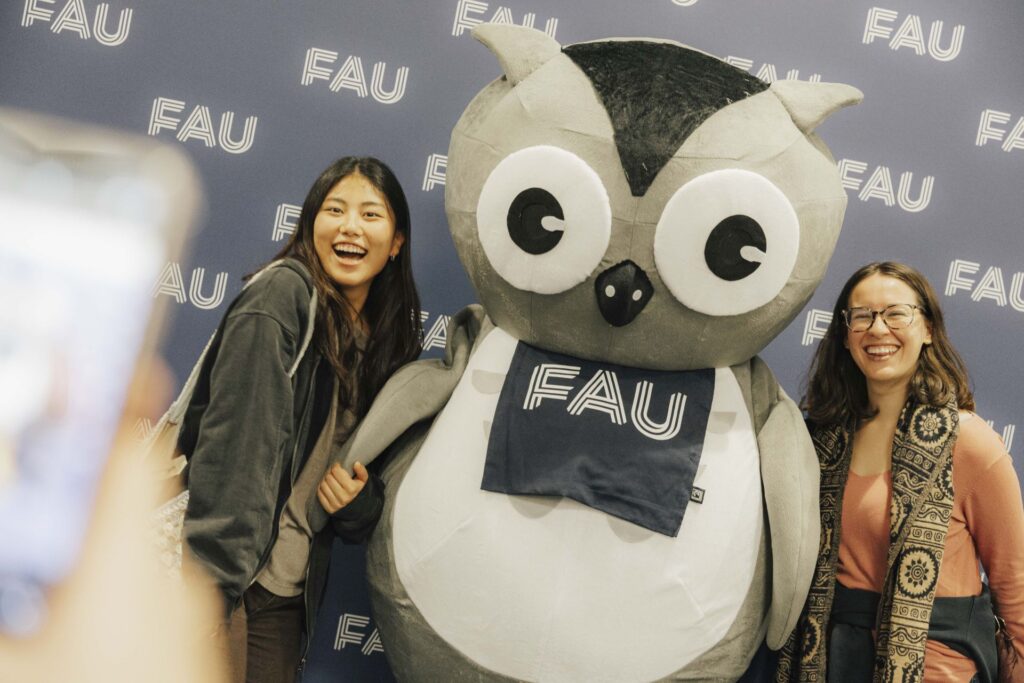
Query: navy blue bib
{"points": [[625, 441]]}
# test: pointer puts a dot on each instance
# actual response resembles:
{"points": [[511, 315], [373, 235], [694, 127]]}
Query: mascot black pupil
{"points": [[525, 214], [722, 252]]}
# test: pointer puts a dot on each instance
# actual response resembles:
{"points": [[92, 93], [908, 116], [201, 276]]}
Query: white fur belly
{"points": [[547, 589]]}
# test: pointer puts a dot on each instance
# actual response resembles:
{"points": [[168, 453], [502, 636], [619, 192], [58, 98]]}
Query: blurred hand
{"points": [[120, 616], [339, 488]]}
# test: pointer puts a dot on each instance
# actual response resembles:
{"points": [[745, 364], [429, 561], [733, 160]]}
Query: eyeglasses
{"points": [[895, 317]]}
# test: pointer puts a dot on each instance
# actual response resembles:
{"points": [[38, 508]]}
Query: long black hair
{"points": [[836, 388], [392, 308]]}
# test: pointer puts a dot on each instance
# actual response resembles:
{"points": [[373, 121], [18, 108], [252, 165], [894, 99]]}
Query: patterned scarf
{"points": [[922, 499]]}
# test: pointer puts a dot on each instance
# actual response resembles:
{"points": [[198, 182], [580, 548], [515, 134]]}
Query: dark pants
{"points": [[965, 624], [266, 637]]}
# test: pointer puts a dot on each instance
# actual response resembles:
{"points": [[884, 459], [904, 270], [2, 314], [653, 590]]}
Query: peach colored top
{"points": [[986, 525]]}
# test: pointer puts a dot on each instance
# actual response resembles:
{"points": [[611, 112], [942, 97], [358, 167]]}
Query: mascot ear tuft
{"points": [[811, 103], [520, 50]]}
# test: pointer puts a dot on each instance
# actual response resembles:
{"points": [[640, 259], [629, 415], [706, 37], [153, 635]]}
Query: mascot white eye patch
{"points": [[544, 219], [726, 242]]}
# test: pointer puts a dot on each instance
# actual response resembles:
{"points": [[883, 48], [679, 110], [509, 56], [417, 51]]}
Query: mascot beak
{"points": [[622, 292]]}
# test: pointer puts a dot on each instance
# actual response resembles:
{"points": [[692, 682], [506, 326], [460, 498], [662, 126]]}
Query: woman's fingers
{"points": [[327, 500], [340, 475], [338, 488]]}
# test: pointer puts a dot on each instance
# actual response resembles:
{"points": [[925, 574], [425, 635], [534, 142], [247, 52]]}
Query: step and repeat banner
{"points": [[263, 94]]}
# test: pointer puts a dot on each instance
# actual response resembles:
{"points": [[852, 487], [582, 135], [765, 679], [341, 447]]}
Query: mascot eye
{"points": [[727, 242], [535, 221], [544, 219], [734, 247]]}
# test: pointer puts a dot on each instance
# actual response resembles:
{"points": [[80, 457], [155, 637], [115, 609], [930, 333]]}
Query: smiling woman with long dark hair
{"points": [[273, 402], [916, 489]]}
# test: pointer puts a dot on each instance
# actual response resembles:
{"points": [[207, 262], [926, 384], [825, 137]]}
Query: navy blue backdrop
{"points": [[265, 93]]}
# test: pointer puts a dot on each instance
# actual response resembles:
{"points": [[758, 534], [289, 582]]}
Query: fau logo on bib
{"points": [[562, 428]]}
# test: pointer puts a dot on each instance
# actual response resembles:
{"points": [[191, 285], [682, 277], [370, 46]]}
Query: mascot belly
{"points": [[541, 588]]}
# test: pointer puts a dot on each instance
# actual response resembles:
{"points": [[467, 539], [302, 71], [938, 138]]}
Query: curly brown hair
{"points": [[836, 392]]}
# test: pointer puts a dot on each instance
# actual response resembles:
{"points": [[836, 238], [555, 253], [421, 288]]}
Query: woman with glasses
{"points": [[915, 490]]}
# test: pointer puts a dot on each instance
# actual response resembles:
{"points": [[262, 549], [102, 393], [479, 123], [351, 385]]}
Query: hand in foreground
{"points": [[339, 488], [119, 615]]}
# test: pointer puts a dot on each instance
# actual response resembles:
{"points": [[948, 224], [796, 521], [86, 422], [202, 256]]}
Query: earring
{"points": [[393, 257]]}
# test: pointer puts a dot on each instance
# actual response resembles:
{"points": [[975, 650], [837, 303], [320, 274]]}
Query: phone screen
{"points": [[85, 229]]}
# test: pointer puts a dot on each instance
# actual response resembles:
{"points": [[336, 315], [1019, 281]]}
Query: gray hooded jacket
{"points": [[249, 429]]}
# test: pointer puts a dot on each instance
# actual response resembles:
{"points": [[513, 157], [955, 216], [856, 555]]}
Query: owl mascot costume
{"points": [[601, 481]]}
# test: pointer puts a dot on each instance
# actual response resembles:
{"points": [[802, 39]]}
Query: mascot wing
{"points": [[416, 392], [790, 478]]}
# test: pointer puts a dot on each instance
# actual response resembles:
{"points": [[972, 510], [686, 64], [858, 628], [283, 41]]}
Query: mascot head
{"points": [[640, 202]]}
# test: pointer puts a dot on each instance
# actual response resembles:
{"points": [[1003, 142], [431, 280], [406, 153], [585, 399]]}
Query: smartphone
{"points": [[88, 219]]}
